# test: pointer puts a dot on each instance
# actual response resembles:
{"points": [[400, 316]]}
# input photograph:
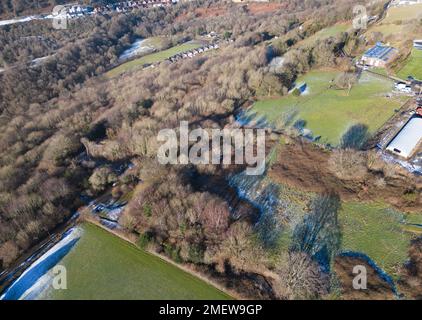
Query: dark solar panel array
{"points": [[379, 52]]}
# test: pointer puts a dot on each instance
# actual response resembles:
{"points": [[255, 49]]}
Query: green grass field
{"points": [[103, 266], [395, 27], [413, 66], [325, 33], [152, 58], [387, 29], [374, 229], [378, 231], [403, 13], [381, 71], [328, 112]]}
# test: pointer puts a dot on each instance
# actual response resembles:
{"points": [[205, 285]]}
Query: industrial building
{"points": [[407, 141], [379, 55]]}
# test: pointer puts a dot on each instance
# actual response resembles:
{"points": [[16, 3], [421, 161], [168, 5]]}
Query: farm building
{"points": [[402, 87], [408, 139], [417, 44], [379, 56]]}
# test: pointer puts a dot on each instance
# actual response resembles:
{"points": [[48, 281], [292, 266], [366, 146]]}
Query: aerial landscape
{"points": [[211, 150]]}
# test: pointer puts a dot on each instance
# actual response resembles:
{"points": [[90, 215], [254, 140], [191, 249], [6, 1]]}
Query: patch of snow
{"points": [[19, 20], [246, 118], [414, 166], [140, 46], [115, 214], [110, 224], [32, 281], [306, 91], [38, 61], [276, 64]]}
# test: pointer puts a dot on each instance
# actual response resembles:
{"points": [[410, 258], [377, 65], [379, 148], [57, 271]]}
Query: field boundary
{"points": [[230, 293]]}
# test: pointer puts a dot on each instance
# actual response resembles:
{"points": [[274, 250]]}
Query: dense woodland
{"points": [[53, 112]]}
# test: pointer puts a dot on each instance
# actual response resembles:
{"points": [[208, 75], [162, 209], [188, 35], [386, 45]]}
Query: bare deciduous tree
{"points": [[301, 278]]}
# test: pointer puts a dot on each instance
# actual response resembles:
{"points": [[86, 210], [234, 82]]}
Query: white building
{"points": [[402, 87], [417, 44], [408, 139]]}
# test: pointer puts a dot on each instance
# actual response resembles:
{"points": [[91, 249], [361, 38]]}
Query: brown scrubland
{"points": [[63, 125]]}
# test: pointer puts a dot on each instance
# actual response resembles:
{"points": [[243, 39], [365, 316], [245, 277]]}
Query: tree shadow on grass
{"points": [[355, 137], [319, 235]]}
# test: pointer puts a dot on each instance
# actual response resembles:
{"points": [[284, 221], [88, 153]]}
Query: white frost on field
{"points": [[18, 20], [140, 46], [276, 64], [34, 280]]}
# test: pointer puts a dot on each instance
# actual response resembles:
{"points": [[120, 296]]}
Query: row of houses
{"points": [[193, 52], [131, 5], [79, 10]]}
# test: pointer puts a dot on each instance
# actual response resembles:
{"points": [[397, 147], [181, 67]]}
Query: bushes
{"points": [[184, 222], [147, 210], [51, 111], [348, 164], [196, 253], [60, 148], [101, 178], [11, 177], [144, 239], [301, 278], [345, 80], [296, 92], [8, 253]]}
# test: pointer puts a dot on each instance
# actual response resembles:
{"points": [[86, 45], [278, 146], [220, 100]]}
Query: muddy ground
{"points": [[376, 287], [306, 166]]}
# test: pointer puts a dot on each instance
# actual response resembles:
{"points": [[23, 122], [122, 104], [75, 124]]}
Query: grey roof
{"points": [[408, 138]]}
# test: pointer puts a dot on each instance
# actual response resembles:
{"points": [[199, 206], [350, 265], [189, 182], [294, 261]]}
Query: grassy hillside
{"points": [[325, 33], [378, 231], [152, 58], [399, 25], [103, 266], [413, 66], [330, 112], [404, 13]]}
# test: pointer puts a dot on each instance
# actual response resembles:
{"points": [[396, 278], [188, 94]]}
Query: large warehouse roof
{"points": [[406, 141]]}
